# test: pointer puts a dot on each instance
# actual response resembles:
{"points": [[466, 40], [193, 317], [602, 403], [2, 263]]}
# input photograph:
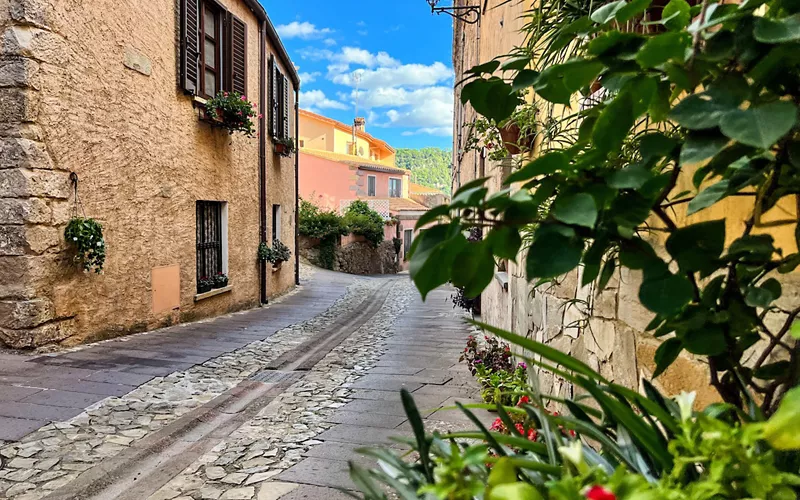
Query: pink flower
{"points": [[600, 493], [225, 94], [260, 116], [244, 98]]}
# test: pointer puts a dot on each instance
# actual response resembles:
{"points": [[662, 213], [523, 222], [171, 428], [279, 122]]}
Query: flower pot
{"points": [[204, 288], [281, 149], [277, 266], [213, 119], [510, 134]]}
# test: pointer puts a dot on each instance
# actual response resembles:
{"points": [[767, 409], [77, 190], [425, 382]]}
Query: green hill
{"points": [[429, 166]]}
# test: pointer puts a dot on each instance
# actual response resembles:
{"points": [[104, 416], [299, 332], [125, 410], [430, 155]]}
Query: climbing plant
{"points": [[640, 106]]}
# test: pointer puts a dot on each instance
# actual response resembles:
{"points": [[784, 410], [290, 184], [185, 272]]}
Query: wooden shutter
{"points": [[238, 51], [190, 52], [273, 97], [286, 109]]}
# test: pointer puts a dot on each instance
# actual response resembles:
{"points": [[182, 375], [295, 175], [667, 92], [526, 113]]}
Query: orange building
{"points": [[342, 163]]}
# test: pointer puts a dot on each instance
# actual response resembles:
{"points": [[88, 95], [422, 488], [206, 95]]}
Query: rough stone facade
{"points": [[91, 87], [605, 330], [356, 257]]}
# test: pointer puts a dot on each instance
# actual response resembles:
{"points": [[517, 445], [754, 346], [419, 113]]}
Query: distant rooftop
{"points": [[346, 128], [354, 160]]}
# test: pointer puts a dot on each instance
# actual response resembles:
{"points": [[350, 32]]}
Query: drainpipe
{"points": [[297, 186], [262, 155]]}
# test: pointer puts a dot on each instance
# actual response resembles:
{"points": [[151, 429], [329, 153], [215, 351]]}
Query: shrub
{"points": [[327, 226], [86, 236], [362, 220], [234, 112]]}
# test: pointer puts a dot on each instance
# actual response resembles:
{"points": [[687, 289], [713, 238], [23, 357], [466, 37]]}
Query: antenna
{"points": [[357, 80]]}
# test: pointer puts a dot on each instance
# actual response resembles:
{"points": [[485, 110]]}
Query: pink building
{"points": [[347, 164]]}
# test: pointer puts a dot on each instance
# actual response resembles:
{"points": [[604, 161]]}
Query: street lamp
{"points": [[470, 14]]}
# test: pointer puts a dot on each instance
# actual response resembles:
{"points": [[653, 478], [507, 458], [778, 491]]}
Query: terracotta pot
{"points": [[277, 267], [510, 134], [281, 149]]}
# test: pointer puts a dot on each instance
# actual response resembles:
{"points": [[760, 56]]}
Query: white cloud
{"points": [[412, 75], [303, 30], [440, 131], [361, 23], [306, 78], [329, 42], [363, 32], [315, 99]]}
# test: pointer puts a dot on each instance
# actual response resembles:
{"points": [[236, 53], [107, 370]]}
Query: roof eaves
{"points": [[275, 40]]}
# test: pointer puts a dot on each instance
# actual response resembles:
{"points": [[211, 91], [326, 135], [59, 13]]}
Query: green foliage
{"points": [[614, 443], [429, 166], [712, 96], [320, 224], [276, 254], [86, 237], [285, 146], [362, 220], [234, 112]]}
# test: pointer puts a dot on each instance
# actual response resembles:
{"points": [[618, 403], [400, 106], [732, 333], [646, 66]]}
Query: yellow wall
{"points": [[322, 135]]}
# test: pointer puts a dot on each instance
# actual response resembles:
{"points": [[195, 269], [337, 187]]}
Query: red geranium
{"points": [[598, 492]]}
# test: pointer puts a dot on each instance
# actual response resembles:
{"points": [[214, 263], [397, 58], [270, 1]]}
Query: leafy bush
{"points": [[86, 236], [493, 356], [362, 220], [234, 112], [327, 226], [275, 255]]}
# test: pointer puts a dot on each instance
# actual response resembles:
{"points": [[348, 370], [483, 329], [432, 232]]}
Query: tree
{"points": [[429, 166]]}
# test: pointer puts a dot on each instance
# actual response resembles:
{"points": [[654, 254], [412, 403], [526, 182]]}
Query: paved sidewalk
{"points": [[37, 390], [421, 356]]}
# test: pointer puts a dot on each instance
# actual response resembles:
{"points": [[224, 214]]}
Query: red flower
{"points": [[599, 493], [523, 400]]}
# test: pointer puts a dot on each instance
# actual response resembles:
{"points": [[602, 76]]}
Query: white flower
{"points": [[573, 453], [685, 402], [99, 243], [74, 238]]}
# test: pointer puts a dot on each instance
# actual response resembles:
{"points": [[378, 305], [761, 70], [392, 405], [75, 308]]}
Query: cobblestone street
{"points": [[266, 404]]}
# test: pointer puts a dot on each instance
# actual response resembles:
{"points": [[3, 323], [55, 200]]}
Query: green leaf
{"points": [[709, 196], [503, 472], [607, 12], [415, 420], [666, 354], [489, 67], [614, 123], [433, 254], [794, 331], [549, 163], [579, 209], [505, 241], [606, 274], [759, 296], [431, 215], [676, 15], [780, 431], [662, 48], [706, 341], [760, 126], [552, 254], [476, 268], [665, 294], [790, 263], [516, 64], [558, 82], [773, 370], [524, 79], [514, 491], [701, 147], [492, 98], [632, 177], [698, 246], [656, 145], [631, 10], [703, 110], [768, 30], [615, 43]]}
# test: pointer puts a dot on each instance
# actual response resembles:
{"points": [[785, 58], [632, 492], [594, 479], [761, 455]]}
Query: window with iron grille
{"points": [[210, 234]]}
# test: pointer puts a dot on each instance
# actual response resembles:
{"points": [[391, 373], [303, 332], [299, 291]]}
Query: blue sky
{"points": [[399, 52]]}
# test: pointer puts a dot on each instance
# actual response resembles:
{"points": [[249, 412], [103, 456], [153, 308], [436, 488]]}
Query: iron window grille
{"points": [[209, 239]]}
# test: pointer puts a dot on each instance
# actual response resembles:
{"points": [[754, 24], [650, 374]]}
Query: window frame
{"points": [[218, 40], [407, 241], [372, 185], [400, 181], [218, 210], [277, 213]]}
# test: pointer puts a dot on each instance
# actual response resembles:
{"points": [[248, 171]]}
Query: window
{"points": [[408, 238], [395, 188], [371, 180], [276, 222], [213, 49], [212, 239], [302, 143], [279, 102], [350, 148]]}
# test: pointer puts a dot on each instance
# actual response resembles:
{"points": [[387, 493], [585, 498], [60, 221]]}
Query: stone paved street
{"points": [[266, 404]]}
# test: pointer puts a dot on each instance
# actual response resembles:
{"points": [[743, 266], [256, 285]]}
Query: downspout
{"points": [[297, 187], [262, 155]]}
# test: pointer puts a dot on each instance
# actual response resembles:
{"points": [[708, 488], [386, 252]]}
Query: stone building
{"points": [[605, 330], [111, 94]]}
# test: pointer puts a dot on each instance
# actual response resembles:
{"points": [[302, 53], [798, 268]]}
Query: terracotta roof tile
{"points": [[347, 128], [352, 160], [420, 189]]}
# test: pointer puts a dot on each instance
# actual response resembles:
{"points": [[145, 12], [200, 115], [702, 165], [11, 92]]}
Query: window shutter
{"points": [[286, 110], [273, 97], [238, 60], [190, 52]]}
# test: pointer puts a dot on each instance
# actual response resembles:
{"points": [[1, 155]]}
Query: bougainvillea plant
{"points": [[86, 236], [234, 112]]}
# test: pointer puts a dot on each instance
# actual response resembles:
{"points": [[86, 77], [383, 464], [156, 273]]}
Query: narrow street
{"points": [[268, 403]]}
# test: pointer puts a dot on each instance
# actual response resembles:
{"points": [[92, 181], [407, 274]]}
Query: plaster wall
{"points": [[96, 93]]}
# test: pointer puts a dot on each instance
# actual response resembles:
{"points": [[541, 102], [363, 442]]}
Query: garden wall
{"points": [[355, 256]]}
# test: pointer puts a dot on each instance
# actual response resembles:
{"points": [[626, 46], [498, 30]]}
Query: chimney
{"points": [[360, 124]]}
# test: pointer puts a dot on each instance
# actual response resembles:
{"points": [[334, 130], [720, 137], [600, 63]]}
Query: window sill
{"points": [[502, 278], [212, 293], [199, 101]]}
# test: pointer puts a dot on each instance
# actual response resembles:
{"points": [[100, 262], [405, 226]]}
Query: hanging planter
{"points": [[277, 255], [284, 146], [232, 111], [85, 236]]}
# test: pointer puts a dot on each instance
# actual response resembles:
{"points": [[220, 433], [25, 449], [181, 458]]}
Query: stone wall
{"points": [[356, 257], [90, 86]]}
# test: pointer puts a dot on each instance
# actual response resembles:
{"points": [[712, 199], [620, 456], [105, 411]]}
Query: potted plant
{"points": [[86, 236], [232, 111], [220, 280], [277, 255], [519, 131], [205, 284], [284, 146]]}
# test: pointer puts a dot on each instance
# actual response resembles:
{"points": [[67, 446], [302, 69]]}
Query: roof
{"points": [[401, 204], [275, 40], [346, 128], [355, 161], [423, 190]]}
